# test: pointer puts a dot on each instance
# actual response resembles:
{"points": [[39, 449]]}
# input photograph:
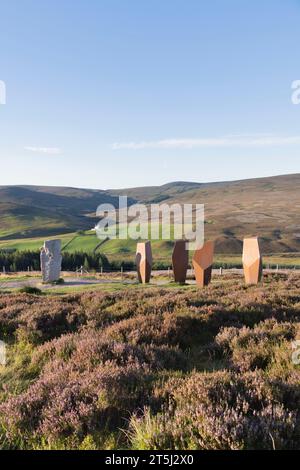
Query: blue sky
{"points": [[120, 93]]}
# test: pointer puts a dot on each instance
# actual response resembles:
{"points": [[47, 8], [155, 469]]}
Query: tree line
{"points": [[13, 260]]}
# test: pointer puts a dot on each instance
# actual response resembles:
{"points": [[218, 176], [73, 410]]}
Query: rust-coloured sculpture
{"points": [[180, 261], [202, 262], [252, 261], [144, 262]]}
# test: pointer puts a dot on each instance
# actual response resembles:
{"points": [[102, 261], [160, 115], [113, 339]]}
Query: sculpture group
{"points": [[202, 262]]}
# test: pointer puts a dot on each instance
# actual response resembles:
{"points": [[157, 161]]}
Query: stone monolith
{"points": [[51, 260]]}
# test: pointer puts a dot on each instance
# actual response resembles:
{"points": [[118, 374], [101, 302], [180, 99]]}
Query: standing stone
{"points": [[202, 262], [180, 261], [252, 261], [144, 262], [51, 260]]}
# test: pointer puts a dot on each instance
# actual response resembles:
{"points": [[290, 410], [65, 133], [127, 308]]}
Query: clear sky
{"points": [[120, 93]]}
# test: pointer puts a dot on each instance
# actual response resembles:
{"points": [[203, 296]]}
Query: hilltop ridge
{"points": [[269, 207]]}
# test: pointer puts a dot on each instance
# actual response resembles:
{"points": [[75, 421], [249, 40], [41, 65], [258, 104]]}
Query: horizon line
{"points": [[150, 185]]}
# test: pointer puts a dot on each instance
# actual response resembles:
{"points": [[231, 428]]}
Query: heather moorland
{"points": [[153, 367]]}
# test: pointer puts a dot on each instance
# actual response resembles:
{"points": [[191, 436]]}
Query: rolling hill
{"points": [[268, 207], [27, 211]]}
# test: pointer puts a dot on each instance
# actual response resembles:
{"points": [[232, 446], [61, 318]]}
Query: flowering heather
{"points": [[251, 348], [218, 411], [176, 368]]}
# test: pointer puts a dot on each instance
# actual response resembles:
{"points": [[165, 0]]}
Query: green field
{"points": [[71, 242], [124, 250], [264, 207]]}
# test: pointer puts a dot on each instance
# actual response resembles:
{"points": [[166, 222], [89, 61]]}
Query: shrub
{"points": [[30, 290], [80, 365], [248, 348], [39, 318], [90, 348], [159, 329], [217, 411], [64, 403]]}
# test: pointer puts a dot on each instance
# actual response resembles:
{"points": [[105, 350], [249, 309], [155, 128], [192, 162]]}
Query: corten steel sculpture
{"points": [[180, 261], [51, 260], [252, 261], [202, 262], [144, 262]]}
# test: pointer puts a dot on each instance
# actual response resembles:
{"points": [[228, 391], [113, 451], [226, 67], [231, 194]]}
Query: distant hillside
{"points": [[155, 194], [28, 211], [268, 207]]}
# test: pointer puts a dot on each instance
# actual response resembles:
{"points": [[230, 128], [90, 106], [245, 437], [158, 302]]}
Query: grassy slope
{"points": [[268, 207], [27, 212], [124, 250]]}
